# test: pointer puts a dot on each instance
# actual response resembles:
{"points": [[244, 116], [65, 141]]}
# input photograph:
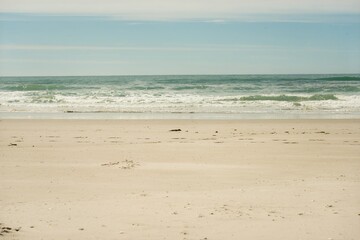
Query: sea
{"points": [[181, 97]]}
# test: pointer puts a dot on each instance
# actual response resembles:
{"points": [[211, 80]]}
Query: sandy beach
{"points": [[180, 179]]}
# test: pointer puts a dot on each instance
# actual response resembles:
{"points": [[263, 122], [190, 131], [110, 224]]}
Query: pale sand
{"points": [[264, 179]]}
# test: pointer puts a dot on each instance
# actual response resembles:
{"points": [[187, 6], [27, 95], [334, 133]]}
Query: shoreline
{"points": [[212, 179], [175, 116]]}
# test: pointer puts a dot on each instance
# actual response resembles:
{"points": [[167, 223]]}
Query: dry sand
{"points": [[109, 179]]}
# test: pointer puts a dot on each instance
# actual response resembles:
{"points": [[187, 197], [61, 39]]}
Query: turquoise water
{"points": [[275, 96]]}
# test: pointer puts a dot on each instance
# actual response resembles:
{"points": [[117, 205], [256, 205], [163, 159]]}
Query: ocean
{"points": [[181, 96]]}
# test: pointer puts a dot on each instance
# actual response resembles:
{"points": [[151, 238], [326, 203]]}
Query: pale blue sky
{"points": [[41, 43]]}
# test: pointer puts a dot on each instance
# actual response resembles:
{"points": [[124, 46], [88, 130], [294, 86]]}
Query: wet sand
{"points": [[180, 179]]}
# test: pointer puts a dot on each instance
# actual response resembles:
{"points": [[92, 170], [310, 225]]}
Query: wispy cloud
{"points": [[57, 61], [15, 47], [193, 48], [180, 9]]}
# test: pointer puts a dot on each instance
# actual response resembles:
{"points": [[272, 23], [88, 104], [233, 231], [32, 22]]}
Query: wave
{"points": [[36, 87], [284, 98], [182, 82], [340, 78], [145, 88], [326, 88], [190, 87]]}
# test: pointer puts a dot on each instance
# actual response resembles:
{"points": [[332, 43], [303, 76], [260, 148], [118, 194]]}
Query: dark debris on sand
{"points": [[175, 130], [7, 230]]}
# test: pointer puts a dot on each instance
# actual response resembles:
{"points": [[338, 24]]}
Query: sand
{"points": [[136, 179]]}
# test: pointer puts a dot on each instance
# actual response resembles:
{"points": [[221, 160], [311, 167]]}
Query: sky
{"points": [[155, 37]]}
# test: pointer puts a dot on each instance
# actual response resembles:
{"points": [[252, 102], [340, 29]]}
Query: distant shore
{"points": [[180, 179]]}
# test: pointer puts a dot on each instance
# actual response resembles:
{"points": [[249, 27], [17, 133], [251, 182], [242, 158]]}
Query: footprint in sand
{"points": [[126, 164]]}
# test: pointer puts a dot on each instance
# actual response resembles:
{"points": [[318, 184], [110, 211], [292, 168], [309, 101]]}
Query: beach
{"points": [[180, 179]]}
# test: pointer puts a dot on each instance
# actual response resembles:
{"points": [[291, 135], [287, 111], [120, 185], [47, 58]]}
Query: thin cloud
{"points": [[67, 61], [180, 9], [15, 47], [202, 48]]}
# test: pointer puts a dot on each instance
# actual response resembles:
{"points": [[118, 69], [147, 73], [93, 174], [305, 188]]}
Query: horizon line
{"points": [[208, 74]]}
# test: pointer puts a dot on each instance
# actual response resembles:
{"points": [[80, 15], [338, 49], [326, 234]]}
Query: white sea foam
{"points": [[183, 94]]}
